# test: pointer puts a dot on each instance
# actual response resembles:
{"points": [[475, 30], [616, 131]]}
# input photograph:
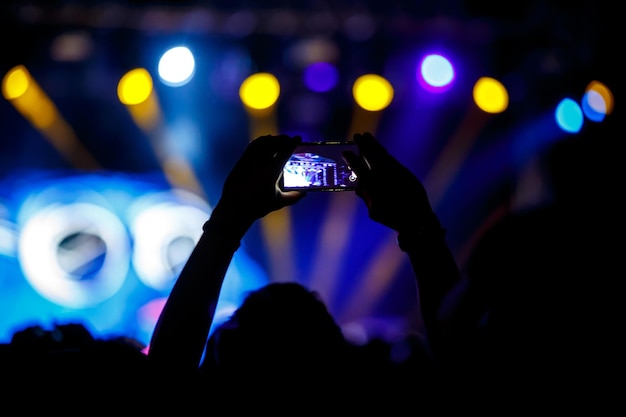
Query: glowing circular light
{"points": [[569, 116], [436, 72], [594, 106], [260, 91], [321, 77], [15, 82], [177, 66], [600, 97], [75, 255], [135, 86], [490, 95], [597, 101], [164, 236], [372, 92]]}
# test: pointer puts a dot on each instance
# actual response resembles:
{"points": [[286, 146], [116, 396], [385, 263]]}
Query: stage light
{"points": [[597, 101], [16, 82], [75, 255], [435, 73], [135, 90], [165, 229], [490, 95], [27, 96], [260, 91], [8, 238], [87, 249], [177, 66], [594, 106], [135, 87], [569, 116], [321, 77], [372, 92]]}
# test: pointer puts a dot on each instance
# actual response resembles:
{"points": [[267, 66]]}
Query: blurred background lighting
{"points": [[76, 255], [490, 95], [597, 101], [593, 106], [372, 92], [321, 77], [28, 98], [8, 238], [72, 46], [165, 233], [15, 82], [435, 73], [135, 90], [569, 116], [135, 87], [32, 102], [177, 66], [87, 89], [260, 91]]}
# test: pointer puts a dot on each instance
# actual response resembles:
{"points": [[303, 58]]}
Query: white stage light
{"points": [[75, 255]]}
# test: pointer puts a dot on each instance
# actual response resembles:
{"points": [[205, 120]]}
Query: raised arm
{"points": [[250, 192], [396, 198]]}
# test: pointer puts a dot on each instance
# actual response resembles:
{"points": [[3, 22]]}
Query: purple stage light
{"points": [[321, 77], [435, 73]]}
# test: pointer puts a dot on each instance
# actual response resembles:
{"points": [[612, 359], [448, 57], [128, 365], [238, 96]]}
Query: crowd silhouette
{"points": [[539, 310], [69, 370], [534, 317]]}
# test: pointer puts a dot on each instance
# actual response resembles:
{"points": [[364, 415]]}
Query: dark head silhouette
{"points": [[282, 328]]}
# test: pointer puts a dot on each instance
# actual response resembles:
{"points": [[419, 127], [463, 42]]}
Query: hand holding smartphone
{"points": [[319, 166]]}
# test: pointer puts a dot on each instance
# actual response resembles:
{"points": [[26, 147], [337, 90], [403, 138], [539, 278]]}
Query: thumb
{"points": [[355, 162]]}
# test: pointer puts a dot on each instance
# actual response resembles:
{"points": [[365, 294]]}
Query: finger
{"points": [[356, 163], [370, 148], [266, 147], [286, 147]]}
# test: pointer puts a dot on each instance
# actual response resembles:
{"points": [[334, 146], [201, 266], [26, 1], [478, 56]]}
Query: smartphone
{"points": [[319, 166]]}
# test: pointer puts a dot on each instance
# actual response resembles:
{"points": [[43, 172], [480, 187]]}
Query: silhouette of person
{"points": [[68, 367], [283, 331], [541, 302]]}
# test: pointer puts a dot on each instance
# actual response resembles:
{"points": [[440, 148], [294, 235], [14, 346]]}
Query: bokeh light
{"points": [[75, 255], [321, 77], [29, 99], [15, 82], [136, 91], [260, 91], [569, 116], [435, 73], [597, 101], [177, 66], [372, 92], [169, 226], [490, 95], [135, 86]]}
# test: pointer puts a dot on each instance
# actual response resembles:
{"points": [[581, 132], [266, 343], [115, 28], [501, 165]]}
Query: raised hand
{"points": [[394, 196], [252, 190]]}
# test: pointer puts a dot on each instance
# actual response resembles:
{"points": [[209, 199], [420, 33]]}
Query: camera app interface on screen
{"points": [[319, 167]]}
